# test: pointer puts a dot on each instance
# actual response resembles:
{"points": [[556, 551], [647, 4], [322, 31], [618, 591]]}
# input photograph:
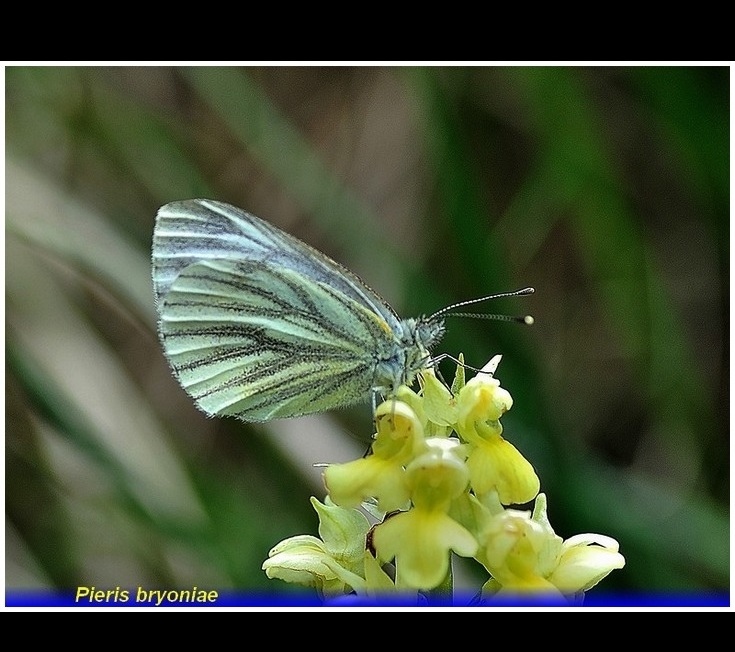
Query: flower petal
{"points": [[580, 567], [351, 483], [420, 542], [496, 464]]}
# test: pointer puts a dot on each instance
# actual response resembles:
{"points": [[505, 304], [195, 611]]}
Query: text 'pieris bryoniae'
{"points": [[259, 325]]}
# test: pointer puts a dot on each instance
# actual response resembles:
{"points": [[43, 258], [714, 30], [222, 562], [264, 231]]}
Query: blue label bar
{"points": [[207, 597]]}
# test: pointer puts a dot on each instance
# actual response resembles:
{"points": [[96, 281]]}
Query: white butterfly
{"points": [[259, 325]]}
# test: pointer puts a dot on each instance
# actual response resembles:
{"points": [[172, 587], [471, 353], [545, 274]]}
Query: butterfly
{"points": [[259, 325]]}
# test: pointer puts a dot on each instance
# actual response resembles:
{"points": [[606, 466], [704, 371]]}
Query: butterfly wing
{"points": [[257, 324]]}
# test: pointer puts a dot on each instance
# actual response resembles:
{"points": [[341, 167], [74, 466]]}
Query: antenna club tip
{"points": [[528, 320]]}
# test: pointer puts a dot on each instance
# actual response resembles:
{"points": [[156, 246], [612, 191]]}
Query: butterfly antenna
{"points": [[448, 310]]}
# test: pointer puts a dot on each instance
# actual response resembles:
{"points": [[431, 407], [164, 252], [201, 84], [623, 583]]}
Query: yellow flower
{"points": [[381, 475], [420, 539], [332, 564], [525, 556], [494, 463], [439, 493]]}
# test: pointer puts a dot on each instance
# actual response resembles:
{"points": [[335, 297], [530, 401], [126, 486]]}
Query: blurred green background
{"points": [[605, 188]]}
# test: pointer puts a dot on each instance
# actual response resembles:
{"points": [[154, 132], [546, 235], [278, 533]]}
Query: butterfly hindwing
{"points": [[260, 341]]}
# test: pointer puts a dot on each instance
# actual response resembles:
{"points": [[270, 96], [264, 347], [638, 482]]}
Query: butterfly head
{"points": [[419, 336]]}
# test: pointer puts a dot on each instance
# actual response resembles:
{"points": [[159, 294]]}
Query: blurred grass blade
{"points": [[46, 218], [72, 356]]}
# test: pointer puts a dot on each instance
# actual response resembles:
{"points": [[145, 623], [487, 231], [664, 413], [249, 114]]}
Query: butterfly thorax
{"points": [[411, 353]]}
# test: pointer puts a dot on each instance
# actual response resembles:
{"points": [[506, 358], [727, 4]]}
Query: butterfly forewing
{"points": [[197, 230]]}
